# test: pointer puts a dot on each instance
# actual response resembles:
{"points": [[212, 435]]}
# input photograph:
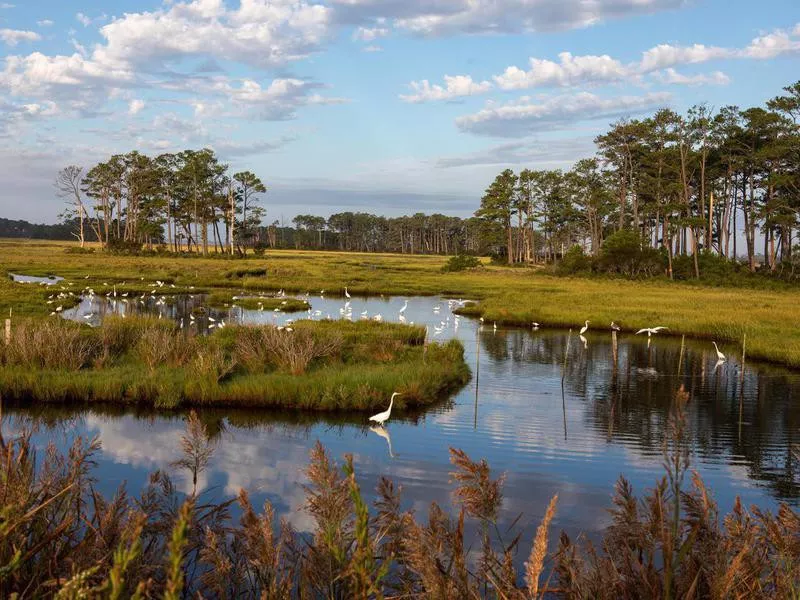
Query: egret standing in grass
{"points": [[720, 355], [382, 417], [585, 328]]}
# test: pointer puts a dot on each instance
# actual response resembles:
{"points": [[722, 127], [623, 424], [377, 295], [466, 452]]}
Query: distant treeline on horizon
{"points": [[10, 228]]}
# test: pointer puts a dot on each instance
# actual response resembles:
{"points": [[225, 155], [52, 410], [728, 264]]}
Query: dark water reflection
{"points": [[611, 421]]}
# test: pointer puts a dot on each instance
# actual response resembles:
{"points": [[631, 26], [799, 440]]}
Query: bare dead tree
{"points": [[68, 187]]}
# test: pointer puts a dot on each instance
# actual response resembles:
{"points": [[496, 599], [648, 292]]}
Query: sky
{"points": [[385, 106]]}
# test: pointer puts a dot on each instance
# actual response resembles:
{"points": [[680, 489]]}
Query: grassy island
{"points": [[334, 365]]}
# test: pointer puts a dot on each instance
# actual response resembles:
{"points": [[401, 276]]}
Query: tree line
{"points": [[188, 201], [684, 183]]}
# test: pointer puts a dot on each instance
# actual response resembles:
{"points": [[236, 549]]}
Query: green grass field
{"points": [[506, 295]]}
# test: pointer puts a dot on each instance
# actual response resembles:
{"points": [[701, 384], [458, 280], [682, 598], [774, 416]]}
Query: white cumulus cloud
{"points": [[526, 115], [455, 86], [12, 37], [568, 71], [672, 77]]}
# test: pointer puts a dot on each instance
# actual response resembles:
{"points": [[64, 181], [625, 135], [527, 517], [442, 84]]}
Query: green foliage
{"points": [[574, 261], [623, 253], [124, 247], [461, 262]]}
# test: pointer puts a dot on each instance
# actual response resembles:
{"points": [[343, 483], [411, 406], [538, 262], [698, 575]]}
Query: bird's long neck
{"points": [[391, 402]]}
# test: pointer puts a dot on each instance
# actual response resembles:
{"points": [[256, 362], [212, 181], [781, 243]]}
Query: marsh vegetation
{"points": [[141, 360]]}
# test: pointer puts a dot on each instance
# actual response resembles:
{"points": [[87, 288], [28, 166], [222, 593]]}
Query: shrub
{"points": [[623, 253], [461, 262], [122, 247], [574, 261], [78, 250]]}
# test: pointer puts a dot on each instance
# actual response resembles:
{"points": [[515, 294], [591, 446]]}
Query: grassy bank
{"points": [[507, 295], [315, 365]]}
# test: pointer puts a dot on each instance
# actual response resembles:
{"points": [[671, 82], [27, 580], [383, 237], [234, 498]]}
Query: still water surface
{"points": [[610, 420]]}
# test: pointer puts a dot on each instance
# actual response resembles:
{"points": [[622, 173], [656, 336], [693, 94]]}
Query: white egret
{"points": [[382, 417], [535, 325], [405, 306], [615, 327], [495, 326], [585, 328], [651, 330], [346, 293], [720, 355]]}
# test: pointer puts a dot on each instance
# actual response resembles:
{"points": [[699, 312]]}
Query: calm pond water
{"points": [[610, 421]]}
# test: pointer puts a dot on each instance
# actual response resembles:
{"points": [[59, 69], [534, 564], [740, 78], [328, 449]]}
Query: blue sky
{"points": [[389, 106]]}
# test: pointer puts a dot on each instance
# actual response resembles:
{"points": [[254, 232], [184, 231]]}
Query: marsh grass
{"points": [[508, 296], [60, 536], [267, 303], [142, 360]]}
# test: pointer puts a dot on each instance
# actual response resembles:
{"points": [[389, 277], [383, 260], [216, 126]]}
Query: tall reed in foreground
{"points": [[58, 535]]}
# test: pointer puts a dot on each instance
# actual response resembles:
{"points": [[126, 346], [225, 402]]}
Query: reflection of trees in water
{"points": [[630, 403], [633, 403]]}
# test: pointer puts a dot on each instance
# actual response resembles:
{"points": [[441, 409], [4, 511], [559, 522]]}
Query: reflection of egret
{"points": [[585, 342], [384, 433], [584, 329], [651, 330], [720, 355], [382, 417]]}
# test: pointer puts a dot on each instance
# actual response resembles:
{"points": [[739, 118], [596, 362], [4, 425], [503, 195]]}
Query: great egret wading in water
{"points": [[382, 417]]}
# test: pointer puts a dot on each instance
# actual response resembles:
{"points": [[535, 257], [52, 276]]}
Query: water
{"points": [[51, 280], [610, 421]]}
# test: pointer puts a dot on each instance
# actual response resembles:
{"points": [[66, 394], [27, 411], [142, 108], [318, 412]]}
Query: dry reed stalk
{"points": [[535, 564]]}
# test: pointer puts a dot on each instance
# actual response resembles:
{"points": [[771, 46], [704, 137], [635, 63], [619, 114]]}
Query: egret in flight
{"points": [[651, 330], [720, 355], [585, 328], [382, 417]]}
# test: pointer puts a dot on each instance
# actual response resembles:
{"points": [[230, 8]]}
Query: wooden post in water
{"points": [[614, 349], [563, 375], [680, 358], [477, 373], [741, 383]]}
